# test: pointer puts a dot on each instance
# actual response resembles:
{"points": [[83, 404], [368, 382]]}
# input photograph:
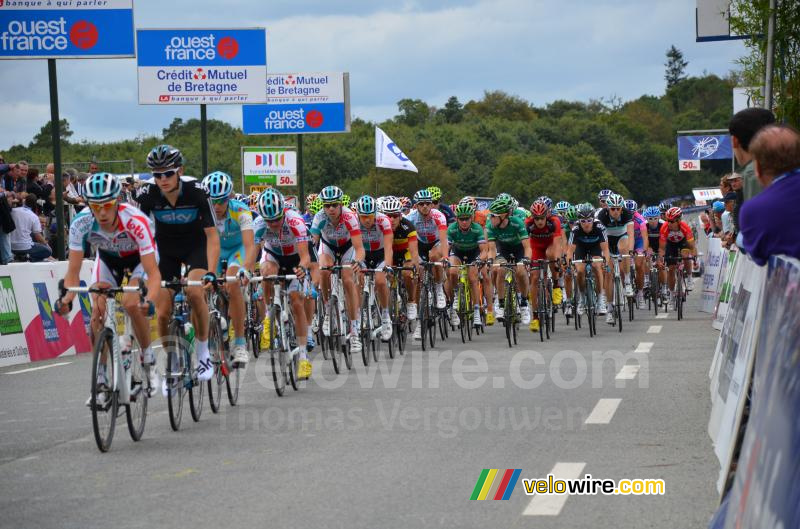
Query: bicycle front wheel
{"points": [[195, 388], [104, 401], [220, 369], [136, 410], [175, 374]]}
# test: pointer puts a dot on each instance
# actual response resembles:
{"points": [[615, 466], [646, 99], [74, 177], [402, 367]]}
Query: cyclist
{"points": [[123, 238], [588, 240], [619, 230], [602, 198], [337, 233], [676, 239], [663, 206], [431, 227], [654, 224], [406, 203], [405, 252], [377, 235], [237, 247], [513, 245], [286, 252], [640, 246], [186, 235], [436, 195], [546, 239], [467, 241], [484, 275]]}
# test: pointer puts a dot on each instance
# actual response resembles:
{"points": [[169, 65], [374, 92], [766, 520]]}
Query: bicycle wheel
{"points": [[233, 382], [376, 340], [175, 374], [277, 357], [251, 326], [679, 296], [515, 319], [348, 354], [422, 315], [293, 360], [618, 302], [508, 316], [366, 329], [590, 307], [431, 319], [541, 310], [334, 334], [195, 389], [136, 410], [220, 368], [104, 417], [399, 321]]}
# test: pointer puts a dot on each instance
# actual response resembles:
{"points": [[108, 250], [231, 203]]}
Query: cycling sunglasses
{"points": [[536, 217], [165, 174], [585, 221], [102, 206], [614, 209], [394, 215], [330, 205], [464, 219], [424, 203], [219, 201]]}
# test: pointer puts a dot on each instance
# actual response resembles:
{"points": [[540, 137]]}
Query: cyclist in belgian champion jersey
{"points": [[187, 236], [405, 252], [123, 237]]}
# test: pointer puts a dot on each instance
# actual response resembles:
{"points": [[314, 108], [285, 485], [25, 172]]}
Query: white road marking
{"points": [[662, 316], [36, 368], [603, 411], [628, 372], [654, 329], [551, 504], [643, 347]]}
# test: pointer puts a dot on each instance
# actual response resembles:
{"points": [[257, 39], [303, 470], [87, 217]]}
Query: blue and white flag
{"points": [[389, 155]]}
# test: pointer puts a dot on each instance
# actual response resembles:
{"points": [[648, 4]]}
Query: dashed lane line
{"points": [[551, 504], [603, 411]]}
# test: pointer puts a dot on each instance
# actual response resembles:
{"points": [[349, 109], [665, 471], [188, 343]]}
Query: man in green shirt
{"points": [[467, 244], [512, 244]]}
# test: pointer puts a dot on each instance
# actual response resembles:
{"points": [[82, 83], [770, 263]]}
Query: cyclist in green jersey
{"points": [[467, 241], [512, 244]]}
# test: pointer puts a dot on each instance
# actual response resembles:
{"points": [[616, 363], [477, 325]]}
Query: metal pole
{"points": [[770, 60], [55, 129], [301, 200], [204, 141]]}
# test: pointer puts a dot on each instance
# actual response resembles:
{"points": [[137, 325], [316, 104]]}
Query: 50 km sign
{"points": [[66, 29], [269, 165]]}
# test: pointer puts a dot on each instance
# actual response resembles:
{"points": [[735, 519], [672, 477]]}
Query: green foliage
{"points": [[44, 138], [675, 67], [568, 150], [750, 17]]}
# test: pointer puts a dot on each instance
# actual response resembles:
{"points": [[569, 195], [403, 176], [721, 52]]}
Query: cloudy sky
{"points": [[541, 50]]}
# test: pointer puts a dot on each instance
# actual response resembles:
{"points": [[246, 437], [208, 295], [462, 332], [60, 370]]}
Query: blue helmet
{"points": [[366, 205], [270, 204], [331, 195], [423, 195], [604, 193], [631, 205], [719, 206], [652, 212], [218, 185], [102, 187]]}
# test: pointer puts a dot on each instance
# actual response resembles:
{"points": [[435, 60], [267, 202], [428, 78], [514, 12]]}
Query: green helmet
{"points": [[501, 204], [316, 206], [346, 200], [571, 214], [436, 193], [464, 209]]}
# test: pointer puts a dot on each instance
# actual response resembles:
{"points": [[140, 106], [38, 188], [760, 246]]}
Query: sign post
{"points": [[36, 30]]}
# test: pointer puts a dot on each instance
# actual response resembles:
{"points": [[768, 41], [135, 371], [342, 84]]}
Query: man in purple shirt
{"points": [[776, 152]]}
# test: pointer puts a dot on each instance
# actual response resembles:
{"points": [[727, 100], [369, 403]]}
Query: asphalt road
{"points": [[401, 444]]}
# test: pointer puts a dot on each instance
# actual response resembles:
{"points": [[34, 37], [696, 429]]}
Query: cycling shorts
{"points": [[510, 254], [582, 251], [425, 249], [286, 265], [172, 256], [613, 243], [343, 255], [401, 257], [110, 269], [375, 259], [673, 249], [234, 257], [465, 256]]}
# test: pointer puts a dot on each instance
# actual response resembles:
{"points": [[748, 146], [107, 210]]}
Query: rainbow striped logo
{"points": [[496, 484]]}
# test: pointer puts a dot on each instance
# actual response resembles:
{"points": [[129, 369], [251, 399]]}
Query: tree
{"points": [[676, 67], [44, 138], [750, 17], [501, 105], [453, 111], [413, 112]]}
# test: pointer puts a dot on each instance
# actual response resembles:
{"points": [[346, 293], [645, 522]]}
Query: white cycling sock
{"points": [[149, 357], [202, 350]]}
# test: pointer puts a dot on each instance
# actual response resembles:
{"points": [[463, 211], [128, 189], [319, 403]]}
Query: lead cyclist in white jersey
{"points": [[123, 237]]}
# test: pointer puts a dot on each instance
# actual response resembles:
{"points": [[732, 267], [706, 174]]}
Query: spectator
{"points": [[80, 184], [21, 179], [34, 185], [728, 233], [724, 185], [719, 209], [70, 195], [27, 238], [6, 227], [743, 127], [735, 180], [776, 151], [93, 168]]}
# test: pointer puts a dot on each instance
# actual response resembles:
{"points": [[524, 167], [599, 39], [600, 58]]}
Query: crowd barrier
{"points": [[759, 342], [29, 328]]}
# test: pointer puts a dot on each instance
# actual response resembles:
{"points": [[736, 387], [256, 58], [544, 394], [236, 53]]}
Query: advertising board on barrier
{"points": [[733, 362], [66, 29], [711, 275], [275, 166], [29, 328], [764, 491], [301, 103], [728, 273], [201, 66]]}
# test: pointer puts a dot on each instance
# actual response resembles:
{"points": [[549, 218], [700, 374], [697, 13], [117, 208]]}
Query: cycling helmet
{"points": [[391, 205], [436, 193], [270, 204], [539, 209], [464, 209], [315, 206], [252, 200], [102, 187], [332, 195], [673, 214], [571, 214], [164, 156], [346, 200], [218, 185], [289, 205], [472, 201], [548, 202], [652, 212], [631, 205], [615, 201], [604, 193], [585, 211], [366, 205], [562, 206], [664, 206], [423, 195], [719, 206], [501, 204], [514, 203], [310, 198], [405, 202]]}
